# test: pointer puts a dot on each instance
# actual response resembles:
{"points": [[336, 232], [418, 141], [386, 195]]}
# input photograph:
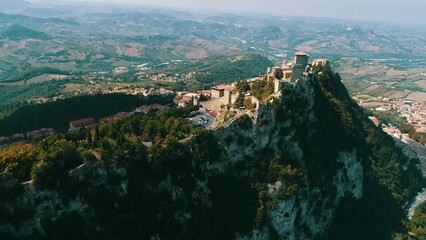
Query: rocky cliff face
{"points": [[40, 206], [307, 213]]}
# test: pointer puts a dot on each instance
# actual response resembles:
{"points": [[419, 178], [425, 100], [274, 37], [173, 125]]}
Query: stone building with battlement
{"points": [[292, 71]]}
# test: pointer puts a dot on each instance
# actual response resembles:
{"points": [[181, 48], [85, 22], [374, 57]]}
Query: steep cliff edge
{"points": [[301, 130], [307, 165]]}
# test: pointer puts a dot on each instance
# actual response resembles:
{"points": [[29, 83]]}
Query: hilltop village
{"points": [[224, 103], [215, 107], [220, 104]]}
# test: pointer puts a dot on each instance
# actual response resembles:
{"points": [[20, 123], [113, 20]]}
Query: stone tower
{"points": [[196, 101], [278, 84], [228, 97], [301, 60]]}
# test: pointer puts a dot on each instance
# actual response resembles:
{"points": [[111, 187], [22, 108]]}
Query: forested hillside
{"points": [[58, 114], [312, 166], [227, 69], [17, 32]]}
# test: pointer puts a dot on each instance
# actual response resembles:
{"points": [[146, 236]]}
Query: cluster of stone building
{"points": [[22, 138], [127, 91], [88, 123], [396, 133], [413, 112], [91, 123], [75, 125], [292, 71], [220, 94]]}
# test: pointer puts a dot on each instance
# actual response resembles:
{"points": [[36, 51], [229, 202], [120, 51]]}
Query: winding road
{"points": [[421, 198]]}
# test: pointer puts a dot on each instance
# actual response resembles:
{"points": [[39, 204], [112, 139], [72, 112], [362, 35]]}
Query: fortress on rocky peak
{"points": [[292, 71]]}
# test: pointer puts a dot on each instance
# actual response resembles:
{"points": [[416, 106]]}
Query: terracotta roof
{"points": [[375, 121], [82, 122], [213, 114], [156, 106], [217, 89], [177, 98], [122, 115], [224, 87]]}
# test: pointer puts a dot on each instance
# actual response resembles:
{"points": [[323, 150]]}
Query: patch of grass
{"points": [[356, 85], [363, 97], [408, 86]]}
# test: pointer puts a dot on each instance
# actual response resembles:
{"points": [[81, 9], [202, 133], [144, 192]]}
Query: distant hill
{"points": [[271, 32], [225, 68], [17, 32]]}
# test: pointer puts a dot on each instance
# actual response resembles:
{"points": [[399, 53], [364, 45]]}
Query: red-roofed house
{"points": [[177, 99], [182, 100], [157, 106], [122, 115], [83, 123], [213, 114], [413, 120], [375, 121], [117, 116]]}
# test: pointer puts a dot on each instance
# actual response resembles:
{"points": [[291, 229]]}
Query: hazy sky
{"points": [[405, 11]]}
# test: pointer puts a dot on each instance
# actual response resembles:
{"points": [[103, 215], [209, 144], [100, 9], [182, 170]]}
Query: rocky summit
{"points": [[304, 163]]}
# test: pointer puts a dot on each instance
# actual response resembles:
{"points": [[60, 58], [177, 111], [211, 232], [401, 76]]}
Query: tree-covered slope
{"points": [[417, 225], [310, 165], [17, 32], [390, 179], [58, 114], [231, 68]]}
